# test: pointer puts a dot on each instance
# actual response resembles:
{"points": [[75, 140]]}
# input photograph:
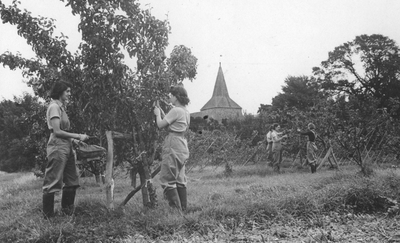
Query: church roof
{"points": [[220, 97]]}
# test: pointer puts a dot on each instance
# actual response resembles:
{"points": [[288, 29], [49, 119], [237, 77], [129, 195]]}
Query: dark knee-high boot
{"points": [[173, 198], [313, 167], [48, 205], [182, 196], [68, 200]]}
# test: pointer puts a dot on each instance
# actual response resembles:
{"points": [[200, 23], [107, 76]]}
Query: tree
{"points": [[21, 133], [107, 93], [301, 92], [367, 66]]}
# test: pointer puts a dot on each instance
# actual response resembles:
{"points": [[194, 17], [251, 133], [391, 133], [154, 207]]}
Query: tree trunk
{"points": [[151, 188], [148, 191], [97, 177], [145, 192], [132, 176], [109, 171], [132, 193]]}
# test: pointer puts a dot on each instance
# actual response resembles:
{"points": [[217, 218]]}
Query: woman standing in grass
{"points": [[60, 171], [175, 149], [277, 145], [269, 144], [311, 146]]}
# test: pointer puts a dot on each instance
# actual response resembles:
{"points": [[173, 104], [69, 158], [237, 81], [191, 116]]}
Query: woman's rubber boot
{"points": [[182, 196], [313, 167], [173, 198], [68, 200], [48, 205]]}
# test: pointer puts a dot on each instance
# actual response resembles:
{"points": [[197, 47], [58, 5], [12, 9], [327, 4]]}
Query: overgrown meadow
{"points": [[253, 204]]}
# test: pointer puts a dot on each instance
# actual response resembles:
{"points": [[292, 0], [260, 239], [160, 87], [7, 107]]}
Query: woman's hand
{"points": [[157, 111], [83, 137]]}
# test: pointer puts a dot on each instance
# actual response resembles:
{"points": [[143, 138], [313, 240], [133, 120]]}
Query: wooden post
{"points": [[109, 171], [325, 158], [132, 176]]}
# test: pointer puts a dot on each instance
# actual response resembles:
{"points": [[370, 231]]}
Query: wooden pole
{"points": [[325, 158], [109, 171]]}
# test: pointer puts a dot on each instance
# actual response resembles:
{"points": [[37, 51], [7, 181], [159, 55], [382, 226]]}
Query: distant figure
{"points": [[277, 145], [269, 144], [61, 170], [311, 146], [175, 150]]}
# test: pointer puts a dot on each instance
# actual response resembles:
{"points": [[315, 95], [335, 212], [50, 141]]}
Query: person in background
{"points": [[175, 150], [311, 146], [61, 172], [277, 148], [268, 138]]}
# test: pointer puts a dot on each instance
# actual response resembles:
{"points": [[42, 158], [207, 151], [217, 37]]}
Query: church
{"points": [[220, 106]]}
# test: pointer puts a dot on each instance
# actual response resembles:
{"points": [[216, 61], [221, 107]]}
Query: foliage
{"points": [[22, 133], [298, 92], [368, 65]]}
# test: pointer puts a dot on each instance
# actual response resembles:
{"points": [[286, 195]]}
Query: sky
{"points": [[259, 43]]}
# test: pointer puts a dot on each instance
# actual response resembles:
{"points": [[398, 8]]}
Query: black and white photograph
{"points": [[199, 121]]}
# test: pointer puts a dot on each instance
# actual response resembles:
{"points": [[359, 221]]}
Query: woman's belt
{"points": [[181, 134]]}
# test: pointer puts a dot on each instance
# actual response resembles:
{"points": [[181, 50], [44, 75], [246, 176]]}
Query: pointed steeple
{"points": [[220, 97], [220, 88]]}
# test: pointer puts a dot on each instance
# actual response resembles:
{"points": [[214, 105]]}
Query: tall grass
{"points": [[250, 198]]}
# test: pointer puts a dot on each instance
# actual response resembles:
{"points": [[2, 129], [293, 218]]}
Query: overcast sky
{"points": [[258, 42]]}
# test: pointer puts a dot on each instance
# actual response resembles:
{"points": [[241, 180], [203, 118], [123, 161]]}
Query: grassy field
{"points": [[254, 204]]}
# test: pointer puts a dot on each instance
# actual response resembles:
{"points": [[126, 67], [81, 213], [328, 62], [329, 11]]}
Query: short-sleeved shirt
{"points": [[276, 144], [269, 137], [275, 135], [310, 134], [56, 110], [178, 119]]}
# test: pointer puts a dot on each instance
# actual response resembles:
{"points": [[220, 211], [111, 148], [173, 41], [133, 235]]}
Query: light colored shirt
{"points": [[276, 145], [269, 136], [178, 119], [56, 110]]}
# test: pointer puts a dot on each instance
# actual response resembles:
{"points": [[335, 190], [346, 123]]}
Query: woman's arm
{"points": [[161, 123], [308, 133], [55, 123], [277, 138]]}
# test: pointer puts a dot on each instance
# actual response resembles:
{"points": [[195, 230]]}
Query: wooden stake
{"points": [[109, 171], [325, 158]]}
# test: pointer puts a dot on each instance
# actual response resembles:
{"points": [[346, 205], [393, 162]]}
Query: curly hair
{"points": [[180, 93]]}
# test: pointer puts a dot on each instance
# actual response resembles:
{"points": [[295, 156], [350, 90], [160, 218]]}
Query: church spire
{"points": [[220, 88], [220, 97]]}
